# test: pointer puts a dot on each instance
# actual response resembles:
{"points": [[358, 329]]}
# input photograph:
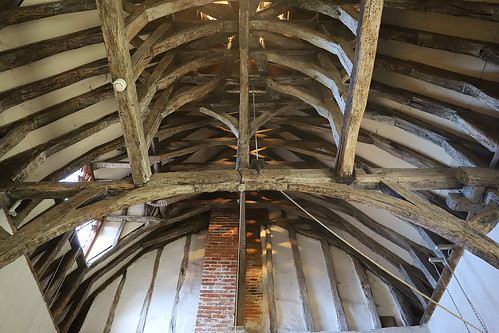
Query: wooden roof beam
{"points": [[120, 66], [243, 144], [358, 91]]}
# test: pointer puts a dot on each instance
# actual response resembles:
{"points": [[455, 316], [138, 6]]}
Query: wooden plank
{"points": [[358, 91], [445, 278], [23, 14], [147, 300], [323, 41], [338, 307], [120, 66], [480, 10], [479, 89], [366, 289], [114, 305], [41, 87], [478, 126], [166, 7], [144, 54], [29, 53], [149, 89], [180, 283], [340, 10], [307, 311], [266, 239], [478, 176], [311, 181], [403, 307], [241, 263], [223, 117]]}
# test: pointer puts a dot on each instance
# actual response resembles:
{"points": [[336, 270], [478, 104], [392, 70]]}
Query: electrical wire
{"points": [[450, 295], [475, 311], [369, 259]]}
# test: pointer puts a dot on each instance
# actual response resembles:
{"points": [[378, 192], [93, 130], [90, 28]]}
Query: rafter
{"points": [[358, 91], [120, 66]]}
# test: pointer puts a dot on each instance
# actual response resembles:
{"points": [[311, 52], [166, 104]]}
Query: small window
{"points": [[87, 231]]}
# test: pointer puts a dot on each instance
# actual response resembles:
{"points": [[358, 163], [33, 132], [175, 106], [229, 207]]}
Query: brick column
{"points": [[217, 298], [254, 308]]}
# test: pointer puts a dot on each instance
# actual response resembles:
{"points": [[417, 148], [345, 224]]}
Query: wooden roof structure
{"points": [[203, 88]]}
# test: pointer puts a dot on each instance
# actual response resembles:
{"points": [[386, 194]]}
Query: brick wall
{"points": [[218, 282], [254, 307]]}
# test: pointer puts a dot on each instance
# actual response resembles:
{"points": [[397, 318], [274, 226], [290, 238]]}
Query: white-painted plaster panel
{"points": [[289, 307], [383, 298], [189, 294], [96, 318], [480, 281], [159, 315], [137, 284], [22, 308], [392, 222], [108, 275], [352, 297], [318, 285]]}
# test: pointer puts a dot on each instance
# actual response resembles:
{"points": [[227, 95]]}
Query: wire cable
{"points": [[369, 259]]}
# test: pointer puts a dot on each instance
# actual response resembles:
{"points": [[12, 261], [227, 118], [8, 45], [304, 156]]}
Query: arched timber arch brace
{"points": [[87, 201]]}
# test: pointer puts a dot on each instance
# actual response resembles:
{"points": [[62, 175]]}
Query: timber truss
{"points": [[202, 87]]}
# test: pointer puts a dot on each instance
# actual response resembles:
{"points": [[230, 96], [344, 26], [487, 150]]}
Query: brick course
{"points": [[218, 282]]}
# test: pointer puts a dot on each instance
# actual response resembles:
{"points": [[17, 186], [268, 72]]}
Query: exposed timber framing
{"points": [[147, 300], [243, 148], [312, 181], [266, 239], [338, 307], [366, 289], [307, 311], [114, 305], [120, 66], [358, 91], [180, 283], [241, 263]]}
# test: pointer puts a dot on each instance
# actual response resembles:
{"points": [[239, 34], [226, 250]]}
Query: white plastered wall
{"points": [[22, 308], [480, 283]]}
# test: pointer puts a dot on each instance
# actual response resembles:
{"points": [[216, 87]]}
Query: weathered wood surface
{"points": [[485, 91], [114, 305], [268, 269], [360, 79], [338, 307], [120, 66], [147, 300], [488, 52], [26, 54], [323, 41], [366, 289], [478, 126], [444, 280], [307, 311], [243, 148], [478, 176], [480, 10], [341, 10], [312, 181], [413, 179], [241, 262], [180, 283], [465, 152], [23, 14], [30, 91]]}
